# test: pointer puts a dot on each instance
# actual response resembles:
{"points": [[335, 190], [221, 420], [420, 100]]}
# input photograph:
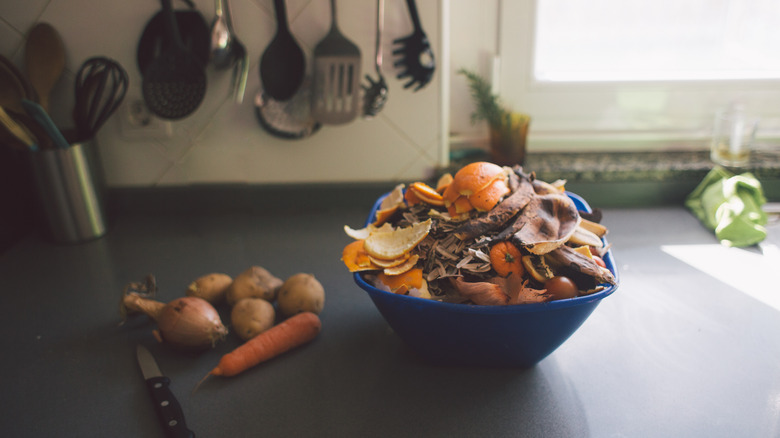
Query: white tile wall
{"points": [[222, 142]]}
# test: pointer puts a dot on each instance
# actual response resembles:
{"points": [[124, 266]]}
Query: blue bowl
{"points": [[516, 336]]}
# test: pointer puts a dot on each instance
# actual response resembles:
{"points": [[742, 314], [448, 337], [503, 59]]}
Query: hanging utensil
{"points": [[240, 71], [336, 97], [282, 65], [13, 86], [174, 84], [415, 53], [44, 55], [290, 119], [101, 85], [18, 131], [221, 37], [193, 29], [41, 117], [41, 138], [27, 123], [227, 50], [376, 91]]}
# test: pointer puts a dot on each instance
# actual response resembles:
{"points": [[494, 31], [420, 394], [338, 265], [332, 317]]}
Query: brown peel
{"points": [[528, 295], [481, 293], [517, 289], [546, 223], [577, 264], [499, 215]]}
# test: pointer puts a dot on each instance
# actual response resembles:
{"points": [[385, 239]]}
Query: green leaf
{"points": [[488, 106]]}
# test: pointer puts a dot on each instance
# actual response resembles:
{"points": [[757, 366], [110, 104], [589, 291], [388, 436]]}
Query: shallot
{"points": [[187, 323]]}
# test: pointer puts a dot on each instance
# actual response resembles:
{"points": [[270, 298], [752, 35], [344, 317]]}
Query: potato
{"points": [[300, 293], [252, 316], [255, 282], [211, 287]]}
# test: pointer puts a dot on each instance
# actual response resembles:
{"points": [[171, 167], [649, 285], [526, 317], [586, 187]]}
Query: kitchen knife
{"points": [[167, 407]]}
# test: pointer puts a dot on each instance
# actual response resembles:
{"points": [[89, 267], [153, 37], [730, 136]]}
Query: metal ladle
{"points": [[227, 50], [376, 91], [221, 37]]}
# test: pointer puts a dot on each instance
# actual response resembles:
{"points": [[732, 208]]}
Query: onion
{"points": [[188, 323]]}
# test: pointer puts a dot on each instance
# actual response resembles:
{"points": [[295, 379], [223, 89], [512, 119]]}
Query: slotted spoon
{"points": [[336, 88], [174, 84]]}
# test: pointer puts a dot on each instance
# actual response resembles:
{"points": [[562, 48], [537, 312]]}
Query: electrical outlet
{"points": [[136, 122]]}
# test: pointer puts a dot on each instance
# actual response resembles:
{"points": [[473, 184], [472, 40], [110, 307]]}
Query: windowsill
{"points": [[635, 178], [642, 165]]}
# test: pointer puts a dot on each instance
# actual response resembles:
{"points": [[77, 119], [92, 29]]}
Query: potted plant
{"points": [[508, 129]]}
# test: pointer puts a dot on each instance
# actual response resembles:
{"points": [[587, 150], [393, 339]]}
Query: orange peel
{"points": [[363, 233], [450, 194], [427, 194], [463, 205], [474, 177], [389, 263], [393, 199], [411, 279], [443, 182], [487, 198], [460, 207], [390, 205], [403, 267], [356, 258], [411, 198], [389, 245], [383, 215]]}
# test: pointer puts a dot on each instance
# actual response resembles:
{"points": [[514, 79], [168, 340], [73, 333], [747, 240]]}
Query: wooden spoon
{"points": [[45, 59]]}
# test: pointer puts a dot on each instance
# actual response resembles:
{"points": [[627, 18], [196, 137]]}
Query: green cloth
{"points": [[730, 205]]}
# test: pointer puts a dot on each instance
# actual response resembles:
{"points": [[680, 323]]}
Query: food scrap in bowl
{"points": [[488, 235]]}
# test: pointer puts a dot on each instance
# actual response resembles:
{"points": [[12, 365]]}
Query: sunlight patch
{"points": [[745, 269]]}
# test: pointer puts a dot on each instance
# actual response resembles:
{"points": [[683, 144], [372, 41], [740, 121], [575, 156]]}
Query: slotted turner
{"points": [[336, 88]]}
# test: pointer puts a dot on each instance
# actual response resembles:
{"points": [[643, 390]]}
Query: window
{"points": [[634, 40], [636, 74]]}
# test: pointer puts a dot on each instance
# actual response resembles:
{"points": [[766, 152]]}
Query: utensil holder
{"points": [[70, 187]]}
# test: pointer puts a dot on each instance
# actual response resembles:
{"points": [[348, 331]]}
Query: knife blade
{"points": [[168, 409]]}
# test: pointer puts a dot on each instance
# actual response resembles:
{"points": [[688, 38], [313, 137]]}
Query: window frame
{"points": [[620, 115]]}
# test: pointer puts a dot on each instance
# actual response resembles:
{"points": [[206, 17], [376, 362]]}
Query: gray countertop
{"points": [[683, 348]]}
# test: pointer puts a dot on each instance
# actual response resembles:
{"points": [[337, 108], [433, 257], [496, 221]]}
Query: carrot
{"points": [[288, 334]]}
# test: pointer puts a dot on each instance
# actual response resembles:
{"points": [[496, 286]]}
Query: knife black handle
{"points": [[168, 408]]}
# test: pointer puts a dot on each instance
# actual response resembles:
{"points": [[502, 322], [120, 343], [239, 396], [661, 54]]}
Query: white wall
{"points": [[222, 142]]}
